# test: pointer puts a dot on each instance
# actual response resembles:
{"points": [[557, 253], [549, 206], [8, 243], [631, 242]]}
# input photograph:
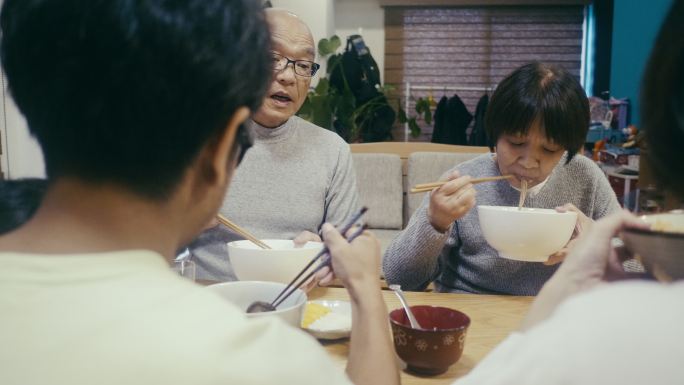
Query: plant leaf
{"points": [[324, 47], [401, 116], [427, 116], [414, 127], [322, 86], [335, 43]]}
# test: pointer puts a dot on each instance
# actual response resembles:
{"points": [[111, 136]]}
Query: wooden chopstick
{"points": [[226, 222], [424, 187]]}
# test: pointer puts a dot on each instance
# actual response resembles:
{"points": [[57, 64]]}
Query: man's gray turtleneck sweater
{"points": [[296, 177]]}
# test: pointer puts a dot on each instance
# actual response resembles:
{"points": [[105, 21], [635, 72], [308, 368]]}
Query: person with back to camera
{"points": [[581, 328], [138, 108], [537, 120], [298, 175]]}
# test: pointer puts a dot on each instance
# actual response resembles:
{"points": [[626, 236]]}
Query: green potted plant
{"points": [[336, 108]]}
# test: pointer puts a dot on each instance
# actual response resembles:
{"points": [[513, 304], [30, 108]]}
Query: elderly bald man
{"points": [[297, 176]]}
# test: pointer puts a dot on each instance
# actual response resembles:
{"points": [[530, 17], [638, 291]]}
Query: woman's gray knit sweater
{"points": [[460, 260]]}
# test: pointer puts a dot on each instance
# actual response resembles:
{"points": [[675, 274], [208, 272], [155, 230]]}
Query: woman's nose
{"points": [[529, 159]]}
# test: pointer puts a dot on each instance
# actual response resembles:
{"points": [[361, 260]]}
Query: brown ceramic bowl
{"points": [[659, 249], [434, 348]]}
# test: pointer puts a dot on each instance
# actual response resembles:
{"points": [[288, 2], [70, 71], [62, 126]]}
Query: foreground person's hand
{"points": [[451, 201], [357, 264], [212, 223], [592, 261], [583, 224], [322, 277], [326, 275]]}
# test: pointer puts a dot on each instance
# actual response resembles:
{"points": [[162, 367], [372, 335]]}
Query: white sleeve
{"points": [[491, 370], [597, 337]]}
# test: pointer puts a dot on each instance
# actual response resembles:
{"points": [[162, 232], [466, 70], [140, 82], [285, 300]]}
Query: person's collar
{"points": [[275, 134], [534, 190]]}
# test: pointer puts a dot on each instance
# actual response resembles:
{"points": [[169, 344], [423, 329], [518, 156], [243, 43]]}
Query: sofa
{"points": [[385, 171]]}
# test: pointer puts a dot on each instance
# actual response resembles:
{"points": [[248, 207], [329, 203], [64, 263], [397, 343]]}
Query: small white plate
{"points": [[339, 309]]}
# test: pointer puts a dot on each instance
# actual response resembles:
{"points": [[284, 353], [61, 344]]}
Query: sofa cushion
{"points": [[379, 181], [425, 167]]}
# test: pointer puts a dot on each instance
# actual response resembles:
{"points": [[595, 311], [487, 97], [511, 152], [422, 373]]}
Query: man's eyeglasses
{"points": [[304, 68]]}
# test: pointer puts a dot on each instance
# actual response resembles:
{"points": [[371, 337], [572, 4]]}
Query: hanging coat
{"points": [[478, 137], [451, 122], [438, 120]]}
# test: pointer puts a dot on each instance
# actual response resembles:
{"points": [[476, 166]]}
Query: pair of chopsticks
{"points": [[224, 221], [292, 286], [419, 188]]}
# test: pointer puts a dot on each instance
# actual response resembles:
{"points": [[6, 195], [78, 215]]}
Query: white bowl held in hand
{"points": [[279, 264], [529, 234], [243, 293]]}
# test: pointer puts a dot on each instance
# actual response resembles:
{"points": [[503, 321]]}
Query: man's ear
{"points": [[216, 158], [222, 157]]}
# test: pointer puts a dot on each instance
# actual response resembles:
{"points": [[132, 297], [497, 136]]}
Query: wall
{"points": [[317, 14], [343, 18], [366, 18], [21, 155], [635, 26]]}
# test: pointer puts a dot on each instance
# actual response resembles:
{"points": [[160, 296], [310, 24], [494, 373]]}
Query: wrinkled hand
{"points": [[357, 263], [451, 201], [583, 224], [305, 236], [593, 258]]}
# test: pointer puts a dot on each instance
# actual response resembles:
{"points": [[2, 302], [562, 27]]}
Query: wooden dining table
{"points": [[492, 318]]}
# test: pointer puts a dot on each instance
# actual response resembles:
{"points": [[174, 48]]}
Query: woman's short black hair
{"points": [[129, 91], [662, 103], [19, 200], [544, 93]]}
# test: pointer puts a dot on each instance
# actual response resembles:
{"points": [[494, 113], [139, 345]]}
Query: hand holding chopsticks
{"points": [[293, 285], [224, 221], [325, 262], [433, 185]]}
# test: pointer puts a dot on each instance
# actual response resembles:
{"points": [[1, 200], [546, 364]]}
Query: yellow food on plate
{"points": [[312, 313]]}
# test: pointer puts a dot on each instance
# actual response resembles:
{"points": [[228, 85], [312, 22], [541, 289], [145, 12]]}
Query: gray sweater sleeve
{"points": [[342, 197], [411, 259]]}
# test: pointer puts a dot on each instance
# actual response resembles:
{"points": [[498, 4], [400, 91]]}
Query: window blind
{"points": [[475, 47]]}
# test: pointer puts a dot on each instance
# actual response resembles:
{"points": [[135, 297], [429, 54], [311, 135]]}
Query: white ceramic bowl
{"points": [[243, 293], [530, 234], [279, 264]]}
